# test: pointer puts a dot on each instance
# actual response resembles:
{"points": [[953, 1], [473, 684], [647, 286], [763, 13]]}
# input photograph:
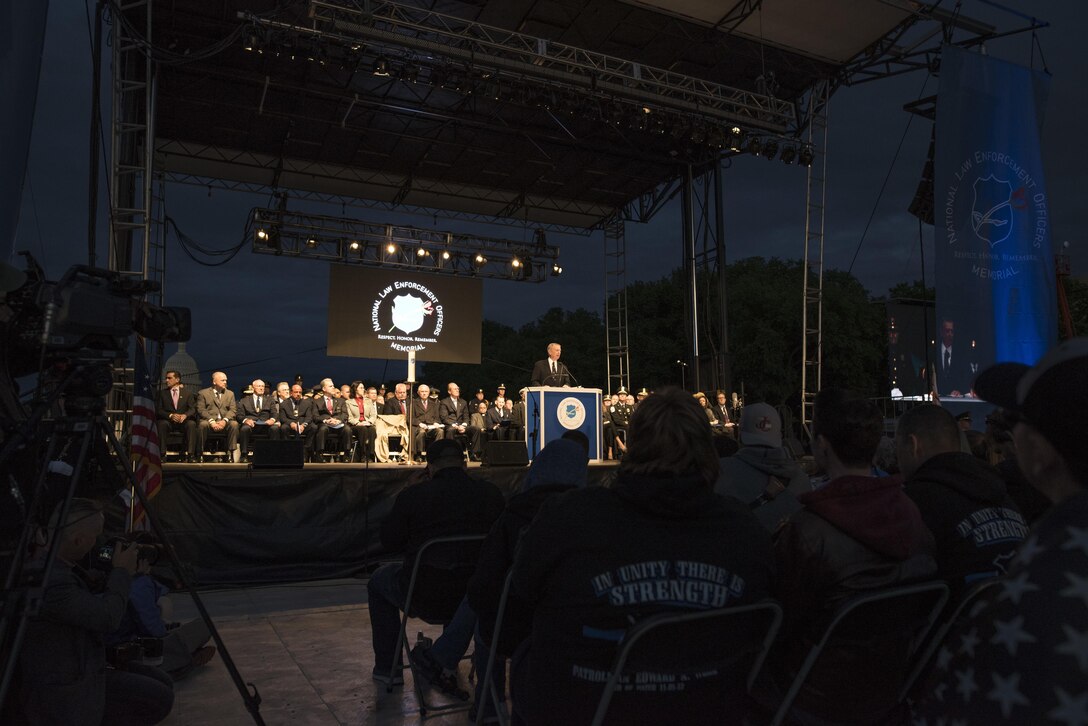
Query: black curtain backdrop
{"points": [[233, 528]]}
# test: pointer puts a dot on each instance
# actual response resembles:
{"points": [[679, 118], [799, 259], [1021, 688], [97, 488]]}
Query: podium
{"points": [[551, 412]]}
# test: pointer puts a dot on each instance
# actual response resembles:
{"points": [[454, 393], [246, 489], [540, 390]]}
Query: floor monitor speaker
{"points": [[505, 453], [286, 454]]}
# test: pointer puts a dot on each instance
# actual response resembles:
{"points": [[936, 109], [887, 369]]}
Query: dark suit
{"points": [[721, 412], [498, 417], [392, 407], [424, 415], [210, 407], [247, 409], [327, 408], [958, 377], [295, 415], [543, 376], [164, 407], [454, 412]]}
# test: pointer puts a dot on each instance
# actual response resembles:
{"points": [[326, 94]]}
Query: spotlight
{"points": [[736, 136], [262, 234], [354, 245], [770, 150], [556, 269], [410, 73], [422, 252], [755, 146], [479, 261], [251, 42], [381, 67], [445, 254], [311, 243], [516, 262], [806, 155], [789, 153], [391, 248]]}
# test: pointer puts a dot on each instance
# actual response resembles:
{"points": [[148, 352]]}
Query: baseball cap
{"points": [[760, 425], [1051, 395]]}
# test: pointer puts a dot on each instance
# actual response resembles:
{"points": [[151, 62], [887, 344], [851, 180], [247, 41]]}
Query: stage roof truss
{"points": [[390, 246], [487, 47]]}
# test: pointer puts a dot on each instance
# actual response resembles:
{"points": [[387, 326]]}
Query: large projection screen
{"points": [[377, 313]]}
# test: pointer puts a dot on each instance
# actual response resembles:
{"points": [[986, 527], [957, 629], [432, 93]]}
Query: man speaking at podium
{"points": [[550, 372]]}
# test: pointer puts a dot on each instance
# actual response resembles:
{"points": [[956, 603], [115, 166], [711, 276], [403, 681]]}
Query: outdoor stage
{"points": [[235, 525]]}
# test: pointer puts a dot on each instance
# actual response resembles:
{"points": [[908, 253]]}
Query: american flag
{"points": [[146, 457]]}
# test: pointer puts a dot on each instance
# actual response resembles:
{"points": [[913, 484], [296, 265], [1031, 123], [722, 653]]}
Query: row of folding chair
{"points": [[745, 631]]}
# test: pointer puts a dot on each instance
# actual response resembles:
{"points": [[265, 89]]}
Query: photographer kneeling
{"points": [[62, 663], [180, 647]]}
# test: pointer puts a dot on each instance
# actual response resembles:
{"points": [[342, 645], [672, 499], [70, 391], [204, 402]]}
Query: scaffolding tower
{"points": [[812, 298]]}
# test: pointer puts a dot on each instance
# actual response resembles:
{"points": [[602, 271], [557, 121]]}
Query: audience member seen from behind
{"points": [[1032, 503], [963, 502], [560, 467], [856, 534], [597, 560], [448, 503], [762, 474], [62, 664], [1023, 657]]}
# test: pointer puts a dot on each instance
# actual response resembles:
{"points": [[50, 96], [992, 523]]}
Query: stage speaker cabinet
{"points": [[505, 453], [286, 454]]}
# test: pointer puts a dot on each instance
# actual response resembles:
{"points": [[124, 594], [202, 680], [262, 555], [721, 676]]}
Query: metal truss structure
{"points": [[813, 290], [615, 307], [704, 231], [494, 49], [355, 242]]}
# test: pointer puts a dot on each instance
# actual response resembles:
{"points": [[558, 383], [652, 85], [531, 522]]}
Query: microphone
{"points": [[570, 375]]}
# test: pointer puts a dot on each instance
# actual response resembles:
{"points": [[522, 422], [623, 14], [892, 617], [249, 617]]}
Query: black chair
{"points": [[456, 554], [723, 639], [489, 690], [940, 632], [914, 607]]}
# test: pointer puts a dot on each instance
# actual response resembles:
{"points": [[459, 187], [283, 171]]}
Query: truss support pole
{"points": [[135, 247], [615, 306], [691, 285], [724, 368], [815, 202]]}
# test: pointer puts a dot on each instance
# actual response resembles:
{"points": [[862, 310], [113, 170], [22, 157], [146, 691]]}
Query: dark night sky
{"points": [[266, 316]]}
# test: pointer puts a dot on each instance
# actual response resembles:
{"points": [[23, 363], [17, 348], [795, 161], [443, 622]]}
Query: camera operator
{"points": [[62, 664], [184, 646]]}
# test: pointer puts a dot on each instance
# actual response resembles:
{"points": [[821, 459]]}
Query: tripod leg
{"points": [[252, 700]]}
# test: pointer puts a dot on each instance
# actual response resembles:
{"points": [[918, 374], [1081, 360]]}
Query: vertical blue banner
{"points": [[996, 296]]}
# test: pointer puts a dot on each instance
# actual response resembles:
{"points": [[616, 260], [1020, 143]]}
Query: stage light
{"points": [[647, 109], [381, 67], [770, 149], [736, 137], [556, 269], [311, 243], [445, 254], [755, 146], [789, 153], [479, 261], [262, 234], [354, 245], [422, 252], [516, 262], [805, 155], [251, 42], [391, 248], [410, 73]]}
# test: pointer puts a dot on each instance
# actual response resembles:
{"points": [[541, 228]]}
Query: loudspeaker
{"points": [[285, 454], [505, 453]]}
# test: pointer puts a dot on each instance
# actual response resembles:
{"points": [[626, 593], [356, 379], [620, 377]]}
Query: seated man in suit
{"points": [[453, 412], [331, 416], [498, 420], [425, 421], [478, 419], [297, 419], [175, 411], [255, 417], [218, 412]]}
